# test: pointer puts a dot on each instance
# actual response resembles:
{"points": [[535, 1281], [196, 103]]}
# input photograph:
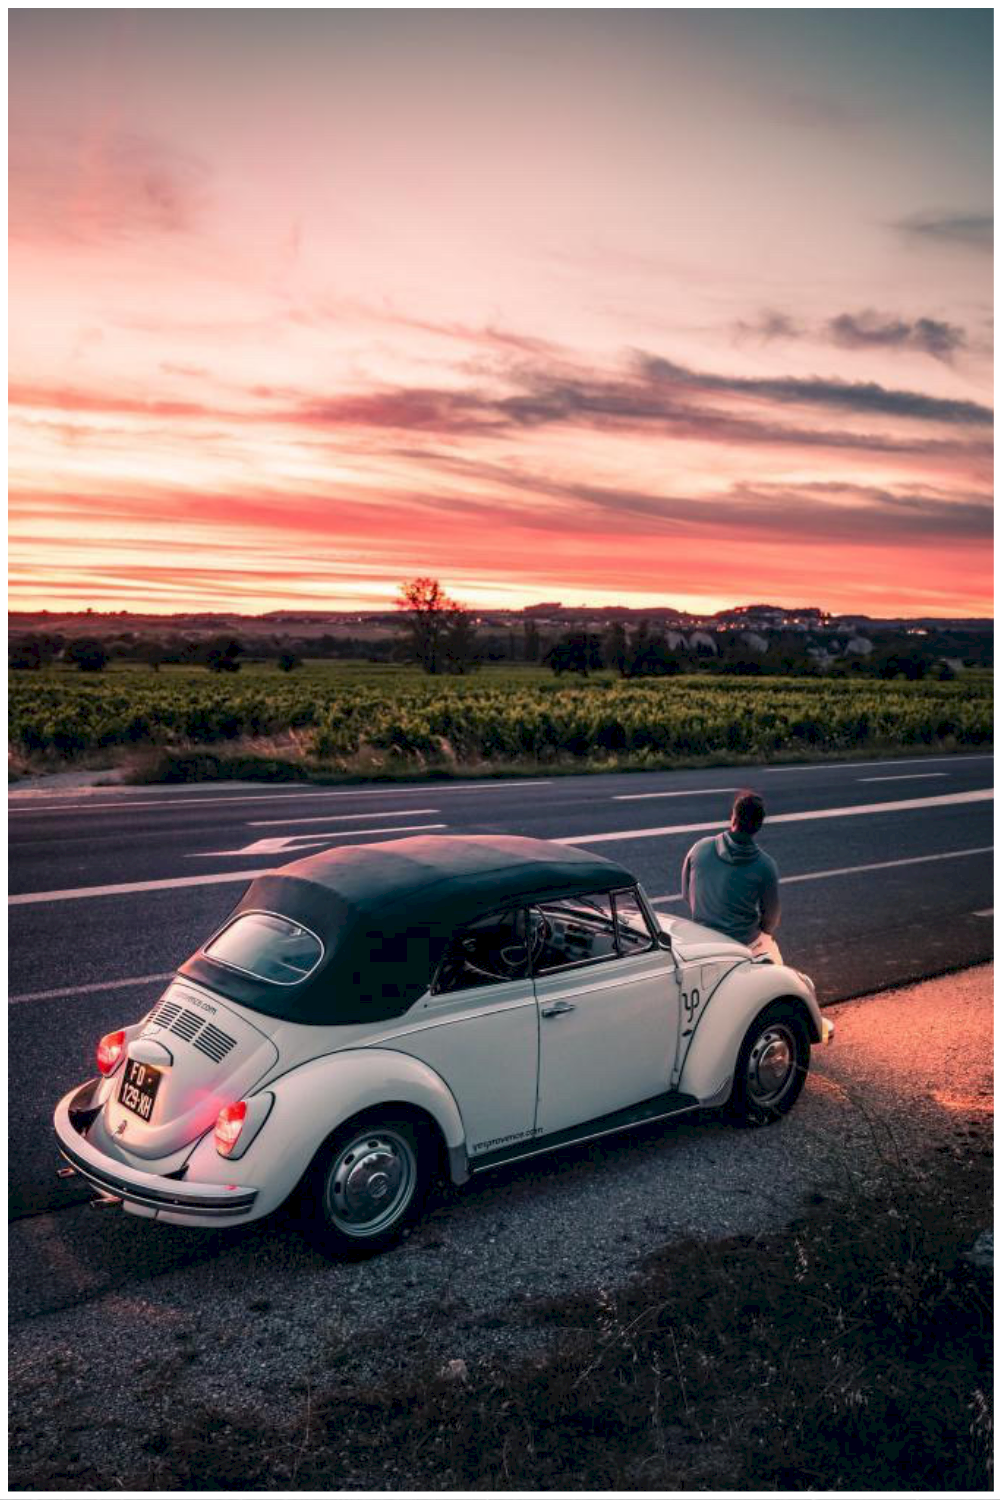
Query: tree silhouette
{"points": [[87, 654], [428, 619], [614, 648], [222, 654], [577, 651]]}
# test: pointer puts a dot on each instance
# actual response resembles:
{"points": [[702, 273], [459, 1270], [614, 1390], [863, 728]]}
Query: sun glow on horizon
{"points": [[304, 304]]}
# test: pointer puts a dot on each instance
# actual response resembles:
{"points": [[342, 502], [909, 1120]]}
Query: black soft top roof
{"points": [[385, 911]]}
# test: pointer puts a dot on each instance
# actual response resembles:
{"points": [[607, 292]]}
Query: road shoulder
{"points": [[251, 1351]]}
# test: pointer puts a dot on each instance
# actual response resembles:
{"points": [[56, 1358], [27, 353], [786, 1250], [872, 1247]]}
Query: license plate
{"points": [[139, 1086]]}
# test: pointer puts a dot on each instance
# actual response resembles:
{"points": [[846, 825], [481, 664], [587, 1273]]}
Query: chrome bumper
{"points": [[828, 1031], [147, 1190]]}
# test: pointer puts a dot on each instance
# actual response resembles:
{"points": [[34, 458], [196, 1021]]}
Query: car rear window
{"points": [[268, 947]]}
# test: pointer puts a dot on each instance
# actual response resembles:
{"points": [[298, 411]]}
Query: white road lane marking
{"points": [[92, 989], [856, 810], [908, 776], [33, 898], [195, 798], [134, 887], [698, 791], [400, 812], [854, 765], [294, 841], [141, 979], [888, 864]]}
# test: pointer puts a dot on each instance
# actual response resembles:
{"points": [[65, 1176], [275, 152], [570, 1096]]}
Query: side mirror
{"points": [[663, 941]]}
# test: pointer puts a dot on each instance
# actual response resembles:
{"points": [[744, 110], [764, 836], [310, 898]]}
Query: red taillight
{"points": [[109, 1050], [228, 1127]]}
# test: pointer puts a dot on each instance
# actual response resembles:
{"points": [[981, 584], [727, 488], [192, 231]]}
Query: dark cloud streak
{"points": [[865, 398], [830, 512], [974, 231], [769, 324], [760, 513], [656, 397], [874, 330]]}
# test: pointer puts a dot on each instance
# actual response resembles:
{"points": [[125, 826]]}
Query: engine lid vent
{"points": [[188, 1024], [165, 1013], [214, 1043]]}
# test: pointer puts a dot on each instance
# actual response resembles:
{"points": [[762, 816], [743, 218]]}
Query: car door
{"points": [[478, 1028], [607, 1008]]}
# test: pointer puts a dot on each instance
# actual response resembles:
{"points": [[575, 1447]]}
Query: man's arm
{"points": [[686, 878], [770, 901]]}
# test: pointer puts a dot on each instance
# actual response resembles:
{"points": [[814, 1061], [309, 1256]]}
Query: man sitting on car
{"points": [[732, 885]]}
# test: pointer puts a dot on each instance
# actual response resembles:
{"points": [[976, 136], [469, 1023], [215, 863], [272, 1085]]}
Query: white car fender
{"points": [[312, 1100], [719, 1030]]}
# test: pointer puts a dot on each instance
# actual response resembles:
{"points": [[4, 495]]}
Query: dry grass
{"points": [[850, 1351]]}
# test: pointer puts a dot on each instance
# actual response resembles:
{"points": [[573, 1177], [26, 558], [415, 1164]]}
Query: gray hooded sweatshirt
{"points": [[732, 885]]}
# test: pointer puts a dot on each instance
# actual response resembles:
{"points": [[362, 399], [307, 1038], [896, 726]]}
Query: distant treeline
{"points": [[641, 651]]}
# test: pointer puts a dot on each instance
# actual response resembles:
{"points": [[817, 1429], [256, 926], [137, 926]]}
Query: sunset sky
{"points": [[676, 307]]}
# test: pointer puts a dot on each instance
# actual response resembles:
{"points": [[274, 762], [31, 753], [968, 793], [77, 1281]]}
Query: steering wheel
{"points": [[539, 932]]}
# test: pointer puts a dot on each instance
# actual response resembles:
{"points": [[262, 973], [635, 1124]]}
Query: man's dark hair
{"points": [[748, 812]]}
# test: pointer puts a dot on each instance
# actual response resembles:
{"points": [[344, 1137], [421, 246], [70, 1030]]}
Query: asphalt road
{"points": [[886, 869]]}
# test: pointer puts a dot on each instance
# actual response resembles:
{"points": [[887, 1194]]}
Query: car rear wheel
{"points": [[772, 1066], [368, 1185]]}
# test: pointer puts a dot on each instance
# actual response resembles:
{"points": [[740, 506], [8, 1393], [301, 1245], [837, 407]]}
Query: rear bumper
{"points": [[148, 1192]]}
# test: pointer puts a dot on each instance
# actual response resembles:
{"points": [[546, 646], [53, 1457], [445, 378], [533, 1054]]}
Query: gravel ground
{"points": [[254, 1318]]}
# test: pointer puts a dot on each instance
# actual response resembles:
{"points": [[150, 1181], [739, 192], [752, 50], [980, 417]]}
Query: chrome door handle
{"points": [[559, 1008]]}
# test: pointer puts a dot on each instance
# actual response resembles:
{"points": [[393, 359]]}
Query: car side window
{"points": [[632, 927], [575, 930], [491, 950]]}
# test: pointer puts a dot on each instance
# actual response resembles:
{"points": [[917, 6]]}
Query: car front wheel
{"points": [[369, 1183], [771, 1068]]}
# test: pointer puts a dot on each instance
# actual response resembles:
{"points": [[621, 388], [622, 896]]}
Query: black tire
{"points": [[772, 1066], [367, 1184]]}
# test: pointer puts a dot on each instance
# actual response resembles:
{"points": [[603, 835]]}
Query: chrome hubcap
{"points": [[772, 1065], [371, 1183]]}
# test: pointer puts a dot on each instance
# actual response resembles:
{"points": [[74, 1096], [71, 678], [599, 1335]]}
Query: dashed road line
{"points": [[31, 898], [855, 810], [886, 864], [697, 791], [907, 776], [133, 887], [143, 979], [400, 812], [304, 842], [189, 799], [92, 989], [853, 765]]}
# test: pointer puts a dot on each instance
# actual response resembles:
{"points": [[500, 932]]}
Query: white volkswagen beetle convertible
{"points": [[375, 1016]]}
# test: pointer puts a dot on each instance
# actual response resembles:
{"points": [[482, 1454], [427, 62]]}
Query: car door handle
{"points": [[559, 1008]]}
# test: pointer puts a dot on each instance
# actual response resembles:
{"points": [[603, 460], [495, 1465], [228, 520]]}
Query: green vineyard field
{"points": [[335, 714]]}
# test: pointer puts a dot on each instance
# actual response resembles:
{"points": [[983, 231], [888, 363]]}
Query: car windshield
{"points": [[268, 947]]}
